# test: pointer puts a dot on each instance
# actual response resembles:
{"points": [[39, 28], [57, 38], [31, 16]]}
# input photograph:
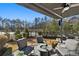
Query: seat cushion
{"points": [[27, 49], [21, 43], [71, 44], [40, 39]]}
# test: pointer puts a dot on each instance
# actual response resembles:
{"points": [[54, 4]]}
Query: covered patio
{"points": [[57, 11]]}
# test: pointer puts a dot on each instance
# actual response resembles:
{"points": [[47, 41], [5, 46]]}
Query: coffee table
{"points": [[45, 50]]}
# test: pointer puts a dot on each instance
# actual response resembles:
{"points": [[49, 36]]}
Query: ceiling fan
{"points": [[66, 6]]}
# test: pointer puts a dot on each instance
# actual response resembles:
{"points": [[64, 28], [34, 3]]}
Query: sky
{"points": [[14, 11]]}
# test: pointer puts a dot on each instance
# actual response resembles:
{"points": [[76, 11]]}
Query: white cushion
{"points": [[71, 44]]}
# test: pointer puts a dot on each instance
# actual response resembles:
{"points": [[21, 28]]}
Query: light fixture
{"points": [[66, 7]]}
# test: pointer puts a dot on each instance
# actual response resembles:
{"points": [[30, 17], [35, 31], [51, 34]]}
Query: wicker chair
{"points": [[22, 44]]}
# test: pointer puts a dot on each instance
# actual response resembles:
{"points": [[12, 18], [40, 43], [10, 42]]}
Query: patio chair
{"points": [[22, 44], [40, 40], [41, 44]]}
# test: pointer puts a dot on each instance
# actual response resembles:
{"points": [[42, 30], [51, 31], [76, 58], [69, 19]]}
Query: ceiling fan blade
{"points": [[62, 6], [74, 5], [57, 8], [71, 6]]}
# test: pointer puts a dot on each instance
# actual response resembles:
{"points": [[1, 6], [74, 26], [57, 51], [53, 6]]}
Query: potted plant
{"points": [[17, 35], [26, 33]]}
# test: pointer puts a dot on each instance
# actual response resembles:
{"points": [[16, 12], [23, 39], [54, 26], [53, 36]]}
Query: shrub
{"points": [[17, 32], [18, 36], [40, 33], [26, 33], [3, 41]]}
